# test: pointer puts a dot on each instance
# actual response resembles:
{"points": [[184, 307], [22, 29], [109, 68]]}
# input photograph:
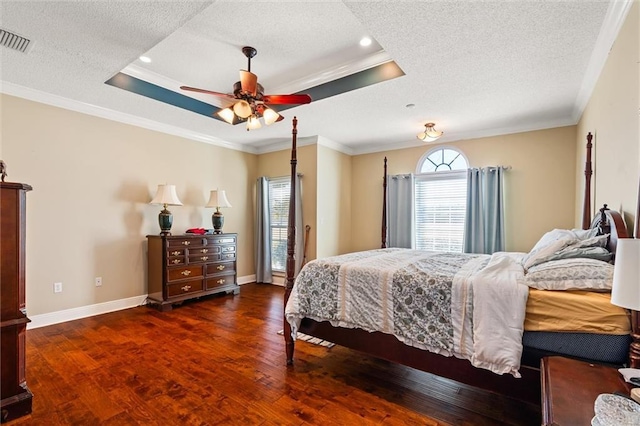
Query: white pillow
{"points": [[555, 242], [571, 274], [550, 243]]}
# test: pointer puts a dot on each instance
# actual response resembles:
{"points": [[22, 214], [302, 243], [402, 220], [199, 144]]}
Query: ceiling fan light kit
{"points": [[249, 100], [430, 134]]}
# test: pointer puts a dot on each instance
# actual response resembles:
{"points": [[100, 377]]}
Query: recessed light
{"points": [[365, 41], [145, 59]]}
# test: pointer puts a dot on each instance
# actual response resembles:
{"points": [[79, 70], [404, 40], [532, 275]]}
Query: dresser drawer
{"points": [[175, 252], [173, 261], [202, 258], [222, 239], [204, 250], [220, 281], [187, 287], [185, 242], [221, 268], [175, 274], [228, 256]]}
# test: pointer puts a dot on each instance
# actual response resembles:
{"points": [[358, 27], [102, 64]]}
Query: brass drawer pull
{"points": [[204, 250], [220, 281], [204, 257], [186, 243], [186, 273], [175, 253], [220, 267], [176, 261], [186, 288]]}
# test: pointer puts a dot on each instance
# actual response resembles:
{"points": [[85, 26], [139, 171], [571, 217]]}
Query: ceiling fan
{"points": [[248, 101]]}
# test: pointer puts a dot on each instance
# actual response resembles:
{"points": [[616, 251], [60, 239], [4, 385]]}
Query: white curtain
{"points": [[400, 211], [484, 223]]}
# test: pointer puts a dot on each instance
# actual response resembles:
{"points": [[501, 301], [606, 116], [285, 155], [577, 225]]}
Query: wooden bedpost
{"points": [[384, 205], [586, 210], [291, 241]]}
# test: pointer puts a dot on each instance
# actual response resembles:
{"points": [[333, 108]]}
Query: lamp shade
{"points": [[242, 109], [626, 274], [227, 115], [218, 199], [253, 123], [166, 194], [270, 116]]}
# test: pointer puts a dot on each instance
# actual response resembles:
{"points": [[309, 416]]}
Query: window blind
{"points": [[279, 192], [440, 207]]}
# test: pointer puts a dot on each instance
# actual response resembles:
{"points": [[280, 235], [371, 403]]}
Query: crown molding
{"points": [[326, 142], [94, 110], [459, 136], [611, 25]]}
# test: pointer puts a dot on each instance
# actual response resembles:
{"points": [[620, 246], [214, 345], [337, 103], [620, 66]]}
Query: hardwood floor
{"points": [[219, 360]]}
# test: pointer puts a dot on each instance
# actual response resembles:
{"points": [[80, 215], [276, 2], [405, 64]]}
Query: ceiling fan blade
{"points": [[209, 92], [286, 99], [249, 82]]}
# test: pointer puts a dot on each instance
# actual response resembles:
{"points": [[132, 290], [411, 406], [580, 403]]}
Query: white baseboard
{"points": [[65, 315], [247, 279], [84, 311]]}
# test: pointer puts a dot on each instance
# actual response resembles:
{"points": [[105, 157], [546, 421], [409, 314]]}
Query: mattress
{"points": [[577, 324], [575, 311]]}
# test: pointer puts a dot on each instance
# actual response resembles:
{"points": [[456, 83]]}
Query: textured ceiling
{"points": [[475, 68]]}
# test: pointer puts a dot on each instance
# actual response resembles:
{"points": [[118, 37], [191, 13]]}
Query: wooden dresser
{"points": [[182, 267], [16, 396]]}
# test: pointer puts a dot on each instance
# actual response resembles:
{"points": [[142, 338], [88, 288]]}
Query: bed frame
{"points": [[387, 347]]}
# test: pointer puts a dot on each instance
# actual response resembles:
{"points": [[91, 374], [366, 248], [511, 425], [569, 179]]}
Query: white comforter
{"points": [[468, 306]]}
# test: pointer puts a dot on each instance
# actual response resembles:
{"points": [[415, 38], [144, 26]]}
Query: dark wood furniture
{"points": [[387, 347], [570, 389], [182, 267], [16, 396]]}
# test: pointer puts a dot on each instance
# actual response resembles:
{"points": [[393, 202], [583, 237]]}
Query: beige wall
{"points": [[88, 213], [611, 116], [334, 202], [539, 189], [277, 164]]}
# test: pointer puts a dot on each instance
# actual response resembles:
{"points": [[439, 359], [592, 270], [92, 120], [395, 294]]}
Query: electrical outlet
{"points": [[57, 287], [98, 281]]}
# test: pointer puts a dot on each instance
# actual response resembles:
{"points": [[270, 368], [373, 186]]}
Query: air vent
{"points": [[14, 41]]}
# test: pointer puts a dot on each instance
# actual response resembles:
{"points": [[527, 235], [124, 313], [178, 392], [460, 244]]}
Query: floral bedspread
{"points": [[425, 299]]}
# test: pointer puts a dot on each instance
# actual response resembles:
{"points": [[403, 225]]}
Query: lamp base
{"points": [[218, 220], [165, 219]]}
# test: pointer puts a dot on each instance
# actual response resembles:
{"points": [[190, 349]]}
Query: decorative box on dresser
{"points": [[182, 267], [16, 396]]}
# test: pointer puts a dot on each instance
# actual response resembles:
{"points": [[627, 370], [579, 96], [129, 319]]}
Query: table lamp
{"points": [[626, 289], [166, 196], [218, 199]]}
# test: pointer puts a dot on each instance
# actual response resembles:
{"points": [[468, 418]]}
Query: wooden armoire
{"points": [[14, 393]]}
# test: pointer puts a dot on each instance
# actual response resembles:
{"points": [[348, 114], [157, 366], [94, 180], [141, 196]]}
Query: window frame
{"points": [[437, 175]]}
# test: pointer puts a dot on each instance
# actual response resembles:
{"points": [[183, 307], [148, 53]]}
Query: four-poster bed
{"points": [[388, 347]]}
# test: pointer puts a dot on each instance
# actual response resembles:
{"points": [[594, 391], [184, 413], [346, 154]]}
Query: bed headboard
{"points": [[610, 222]]}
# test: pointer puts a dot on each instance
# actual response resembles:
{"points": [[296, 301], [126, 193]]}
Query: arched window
{"points": [[440, 200]]}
